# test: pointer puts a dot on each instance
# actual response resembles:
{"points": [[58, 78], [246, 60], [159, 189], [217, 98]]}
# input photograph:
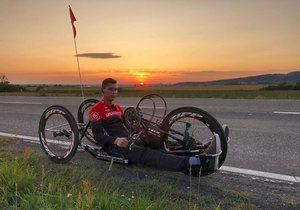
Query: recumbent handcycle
{"points": [[182, 131]]}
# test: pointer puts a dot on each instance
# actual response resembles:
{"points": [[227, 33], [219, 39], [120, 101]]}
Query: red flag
{"points": [[73, 19]]}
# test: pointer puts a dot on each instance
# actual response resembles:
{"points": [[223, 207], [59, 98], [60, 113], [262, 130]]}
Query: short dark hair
{"points": [[107, 81]]}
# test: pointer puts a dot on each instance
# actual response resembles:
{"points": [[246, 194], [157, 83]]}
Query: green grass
{"points": [[226, 92], [30, 181], [5, 141], [290, 203]]}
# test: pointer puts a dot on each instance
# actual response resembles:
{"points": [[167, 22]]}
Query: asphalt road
{"points": [[265, 133]]}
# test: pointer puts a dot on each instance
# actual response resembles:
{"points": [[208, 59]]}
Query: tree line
{"points": [[5, 85], [283, 86]]}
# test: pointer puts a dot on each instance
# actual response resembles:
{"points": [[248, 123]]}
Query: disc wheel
{"points": [[200, 127], [83, 116], [58, 134]]}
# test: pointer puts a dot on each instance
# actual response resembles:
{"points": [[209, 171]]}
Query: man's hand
{"points": [[121, 142]]}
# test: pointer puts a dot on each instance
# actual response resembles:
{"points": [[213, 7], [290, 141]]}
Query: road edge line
{"points": [[250, 172]]}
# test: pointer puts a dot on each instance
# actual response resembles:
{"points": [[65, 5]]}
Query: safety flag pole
{"points": [[73, 19]]}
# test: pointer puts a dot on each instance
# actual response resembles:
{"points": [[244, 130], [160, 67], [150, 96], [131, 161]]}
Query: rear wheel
{"points": [[58, 134], [189, 128]]}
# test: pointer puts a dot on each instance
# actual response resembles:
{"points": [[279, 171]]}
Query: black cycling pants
{"points": [[153, 158]]}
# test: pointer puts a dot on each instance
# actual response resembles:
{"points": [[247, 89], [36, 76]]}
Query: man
{"points": [[111, 133]]}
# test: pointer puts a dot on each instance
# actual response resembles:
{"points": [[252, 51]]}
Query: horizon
{"points": [[151, 42], [242, 74], [144, 84]]}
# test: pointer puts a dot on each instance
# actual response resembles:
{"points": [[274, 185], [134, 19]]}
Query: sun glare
{"points": [[140, 76]]}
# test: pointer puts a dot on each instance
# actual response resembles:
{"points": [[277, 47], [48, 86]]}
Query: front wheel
{"points": [[83, 116], [188, 128], [58, 133]]}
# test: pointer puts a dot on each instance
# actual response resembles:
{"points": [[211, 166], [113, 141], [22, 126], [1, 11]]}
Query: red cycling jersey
{"points": [[106, 122], [102, 110]]}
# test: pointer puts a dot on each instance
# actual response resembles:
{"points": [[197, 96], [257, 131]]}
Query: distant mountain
{"points": [[291, 77]]}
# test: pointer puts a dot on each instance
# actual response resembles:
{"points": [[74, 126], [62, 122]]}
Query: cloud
{"points": [[99, 55]]}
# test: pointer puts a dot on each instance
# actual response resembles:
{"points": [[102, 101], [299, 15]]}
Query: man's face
{"points": [[110, 91]]}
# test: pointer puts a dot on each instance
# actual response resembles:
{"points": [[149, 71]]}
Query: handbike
{"points": [[183, 131]]}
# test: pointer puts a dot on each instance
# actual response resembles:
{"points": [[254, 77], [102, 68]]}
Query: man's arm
{"points": [[98, 131], [99, 136]]}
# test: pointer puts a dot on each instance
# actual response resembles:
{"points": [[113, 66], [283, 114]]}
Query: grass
{"points": [[26, 182], [290, 203], [30, 181], [227, 92], [239, 200], [5, 141]]}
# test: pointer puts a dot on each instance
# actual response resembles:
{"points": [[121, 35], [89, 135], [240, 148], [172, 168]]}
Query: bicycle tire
{"points": [[56, 109], [214, 126], [80, 116]]}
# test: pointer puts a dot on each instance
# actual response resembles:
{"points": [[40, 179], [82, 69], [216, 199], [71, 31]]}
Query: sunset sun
{"points": [[140, 76]]}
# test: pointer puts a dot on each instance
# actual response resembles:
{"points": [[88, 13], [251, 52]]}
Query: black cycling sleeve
{"points": [[99, 135]]}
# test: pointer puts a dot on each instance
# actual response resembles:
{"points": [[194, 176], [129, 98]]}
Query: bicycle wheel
{"points": [[58, 134], [152, 108], [132, 119], [83, 116], [188, 128]]}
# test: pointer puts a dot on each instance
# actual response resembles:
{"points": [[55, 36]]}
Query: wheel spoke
{"points": [[58, 133], [193, 135]]}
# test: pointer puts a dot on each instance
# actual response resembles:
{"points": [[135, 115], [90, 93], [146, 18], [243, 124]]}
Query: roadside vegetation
{"points": [[226, 92], [5, 86], [282, 91], [30, 181], [283, 86]]}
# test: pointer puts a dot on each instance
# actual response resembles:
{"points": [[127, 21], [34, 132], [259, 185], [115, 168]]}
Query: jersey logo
{"points": [[94, 116], [110, 114]]}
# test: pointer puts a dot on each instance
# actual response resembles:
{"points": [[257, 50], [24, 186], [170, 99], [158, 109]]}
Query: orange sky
{"points": [[158, 41]]}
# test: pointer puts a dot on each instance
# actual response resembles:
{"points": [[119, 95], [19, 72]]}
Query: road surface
{"points": [[265, 133]]}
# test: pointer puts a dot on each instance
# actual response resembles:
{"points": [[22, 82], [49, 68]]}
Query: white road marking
{"points": [[263, 174], [38, 142], [17, 102], [278, 112], [32, 139]]}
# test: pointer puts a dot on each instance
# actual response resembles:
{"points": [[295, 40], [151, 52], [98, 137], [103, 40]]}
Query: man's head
{"points": [[109, 89]]}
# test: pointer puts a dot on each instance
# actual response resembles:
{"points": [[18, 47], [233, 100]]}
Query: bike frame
{"points": [[99, 153]]}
